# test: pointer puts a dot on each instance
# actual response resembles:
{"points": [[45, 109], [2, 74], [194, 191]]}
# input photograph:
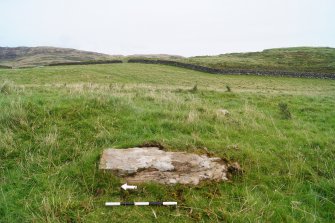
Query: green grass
{"points": [[55, 122], [299, 59]]}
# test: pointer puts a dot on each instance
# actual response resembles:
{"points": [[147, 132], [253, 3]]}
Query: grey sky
{"points": [[184, 27]]}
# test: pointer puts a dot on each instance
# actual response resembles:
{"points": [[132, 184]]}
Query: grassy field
{"points": [[55, 122], [296, 59]]}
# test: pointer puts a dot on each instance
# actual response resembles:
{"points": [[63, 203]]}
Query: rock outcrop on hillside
{"points": [[150, 164]]}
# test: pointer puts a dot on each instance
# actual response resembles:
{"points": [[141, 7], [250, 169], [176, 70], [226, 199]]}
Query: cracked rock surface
{"points": [[147, 164]]}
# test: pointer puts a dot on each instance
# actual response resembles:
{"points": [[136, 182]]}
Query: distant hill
{"points": [[156, 56], [295, 59], [301, 59], [35, 56]]}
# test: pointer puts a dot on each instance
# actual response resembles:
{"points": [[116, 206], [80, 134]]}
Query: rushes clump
{"points": [[7, 87], [284, 111], [194, 89]]}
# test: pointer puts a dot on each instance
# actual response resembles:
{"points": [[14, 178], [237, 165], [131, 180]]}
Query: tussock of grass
{"points": [[52, 134], [7, 87], [284, 110], [194, 89]]}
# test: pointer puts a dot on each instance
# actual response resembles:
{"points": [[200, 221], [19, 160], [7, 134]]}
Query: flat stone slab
{"points": [[147, 164]]}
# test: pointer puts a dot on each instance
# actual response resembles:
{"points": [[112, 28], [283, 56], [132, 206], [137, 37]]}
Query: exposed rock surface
{"points": [[152, 164]]}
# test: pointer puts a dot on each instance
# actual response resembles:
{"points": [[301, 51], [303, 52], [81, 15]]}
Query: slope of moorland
{"points": [[4, 67], [35, 56], [55, 122], [295, 59]]}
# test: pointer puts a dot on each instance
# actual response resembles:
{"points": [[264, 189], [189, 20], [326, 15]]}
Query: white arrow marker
{"points": [[126, 187]]}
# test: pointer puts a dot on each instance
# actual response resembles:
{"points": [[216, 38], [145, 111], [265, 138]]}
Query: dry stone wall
{"points": [[234, 71]]}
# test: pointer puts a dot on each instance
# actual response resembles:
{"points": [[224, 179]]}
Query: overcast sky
{"points": [[183, 27]]}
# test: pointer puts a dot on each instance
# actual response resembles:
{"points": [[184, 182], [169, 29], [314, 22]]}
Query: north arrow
{"points": [[126, 187]]}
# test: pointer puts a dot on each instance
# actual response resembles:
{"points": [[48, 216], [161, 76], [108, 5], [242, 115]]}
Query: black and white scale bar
{"points": [[169, 203]]}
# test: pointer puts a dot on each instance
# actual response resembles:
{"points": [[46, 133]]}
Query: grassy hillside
{"points": [[296, 59], [301, 59], [34, 56], [4, 67], [55, 122]]}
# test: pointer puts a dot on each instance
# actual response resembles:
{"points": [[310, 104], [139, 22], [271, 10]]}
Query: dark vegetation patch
{"points": [[152, 144], [194, 89], [5, 67], [284, 111]]}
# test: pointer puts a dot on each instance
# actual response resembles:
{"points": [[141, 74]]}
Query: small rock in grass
{"points": [[223, 112], [235, 147]]}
